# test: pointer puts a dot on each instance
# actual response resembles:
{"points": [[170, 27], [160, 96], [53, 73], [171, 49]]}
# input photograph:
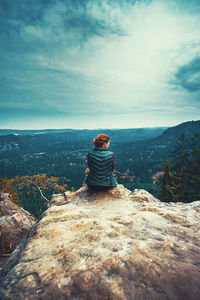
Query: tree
{"points": [[181, 180], [195, 168], [181, 169], [166, 182], [28, 191], [6, 186]]}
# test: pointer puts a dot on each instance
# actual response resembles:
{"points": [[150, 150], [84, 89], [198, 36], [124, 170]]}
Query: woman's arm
{"points": [[113, 162], [88, 159]]}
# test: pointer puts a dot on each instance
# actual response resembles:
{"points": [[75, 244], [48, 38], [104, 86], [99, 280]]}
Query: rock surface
{"points": [[108, 245], [14, 224]]}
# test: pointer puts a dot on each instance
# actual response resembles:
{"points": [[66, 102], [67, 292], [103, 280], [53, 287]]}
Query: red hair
{"points": [[100, 140]]}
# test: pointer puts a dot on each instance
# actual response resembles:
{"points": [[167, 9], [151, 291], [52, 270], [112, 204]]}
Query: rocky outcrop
{"points": [[108, 245], [14, 224]]}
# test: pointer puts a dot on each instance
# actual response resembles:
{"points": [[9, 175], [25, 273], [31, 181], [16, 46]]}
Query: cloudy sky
{"points": [[99, 63]]}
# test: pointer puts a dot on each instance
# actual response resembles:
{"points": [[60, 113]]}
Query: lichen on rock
{"points": [[113, 244]]}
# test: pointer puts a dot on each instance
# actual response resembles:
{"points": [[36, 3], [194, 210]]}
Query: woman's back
{"points": [[101, 165]]}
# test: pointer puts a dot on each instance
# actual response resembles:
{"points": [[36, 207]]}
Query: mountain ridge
{"points": [[64, 155], [49, 131]]}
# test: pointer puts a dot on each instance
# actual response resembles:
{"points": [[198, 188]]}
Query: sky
{"points": [[99, 63]]}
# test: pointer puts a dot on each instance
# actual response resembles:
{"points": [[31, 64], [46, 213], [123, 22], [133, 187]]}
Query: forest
{"points": [[166, 165]]}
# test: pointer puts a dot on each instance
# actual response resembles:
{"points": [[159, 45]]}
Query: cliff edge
{"points": [[15, 222], [108, 245]]}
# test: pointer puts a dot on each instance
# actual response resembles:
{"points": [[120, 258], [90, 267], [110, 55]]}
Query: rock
{"points": [[108, 245], [14, 224]]}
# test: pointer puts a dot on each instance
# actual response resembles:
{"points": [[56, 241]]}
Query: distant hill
{"points": [[138, 153], [170, 136], [188, 128], [29, 141], [79, 134], [143, 158]]}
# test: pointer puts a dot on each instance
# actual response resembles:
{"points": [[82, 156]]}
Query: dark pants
{"points": [[98, 188]]}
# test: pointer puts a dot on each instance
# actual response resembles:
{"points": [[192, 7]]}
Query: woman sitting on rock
{"points": [[101, 165]]}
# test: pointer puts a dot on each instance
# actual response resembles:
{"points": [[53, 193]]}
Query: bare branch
{"points": [[39, 189], [47, 200]]}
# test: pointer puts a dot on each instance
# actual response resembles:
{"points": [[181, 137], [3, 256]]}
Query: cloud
{"points": [[99, 57], [188, 76]]}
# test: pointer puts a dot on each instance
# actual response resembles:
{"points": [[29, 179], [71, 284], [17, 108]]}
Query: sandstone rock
{"points": [[108, 245], [14, 224]]}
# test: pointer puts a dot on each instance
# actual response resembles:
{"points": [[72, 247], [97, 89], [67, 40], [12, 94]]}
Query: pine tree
{"points": [[166, 183], [195, 168], [181, 182], [181, 170]]}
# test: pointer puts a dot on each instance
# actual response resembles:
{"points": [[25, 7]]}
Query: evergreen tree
{"points": [[181, 181], [166, 183], [181, 170], [195, 168]]}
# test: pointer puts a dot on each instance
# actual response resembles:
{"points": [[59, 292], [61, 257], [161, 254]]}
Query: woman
{"points": [[101, 164]]}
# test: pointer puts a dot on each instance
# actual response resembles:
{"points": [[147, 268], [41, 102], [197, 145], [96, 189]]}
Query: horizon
{"points": [[99, 64], [119, 128], [106, 128], [170, 124]]}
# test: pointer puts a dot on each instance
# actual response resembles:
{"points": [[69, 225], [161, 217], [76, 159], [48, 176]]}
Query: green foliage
{"points": [[181, 168], [6, 186], [181, 179], [195, 168], [166, 182], [23, 190]]}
